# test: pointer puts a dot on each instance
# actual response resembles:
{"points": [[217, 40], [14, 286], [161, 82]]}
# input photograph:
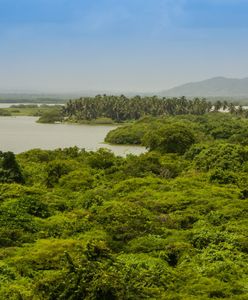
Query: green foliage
{"points": [[9, 168], [223, 156], [223, 176], [54, 111], [208, 127], [4, 113], [101, 159], [175, 138], [121, 108], [55, 170], [124, 220], [77, 180], [51, 116], [143, 165], [126, 135], [162, 225]]}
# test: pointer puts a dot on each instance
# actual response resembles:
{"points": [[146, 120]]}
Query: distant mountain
{"points": [[214, 87], [217, 87]]}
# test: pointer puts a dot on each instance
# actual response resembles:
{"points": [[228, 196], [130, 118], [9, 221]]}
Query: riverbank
{"points": [[50, 114], [22, 133], [31, 110]]}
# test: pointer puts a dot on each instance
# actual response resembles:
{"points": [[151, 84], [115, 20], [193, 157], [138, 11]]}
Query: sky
{"points": [[120, 45]]}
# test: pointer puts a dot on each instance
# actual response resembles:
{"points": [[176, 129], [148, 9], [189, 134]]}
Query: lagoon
{"points": [[19, 134]]}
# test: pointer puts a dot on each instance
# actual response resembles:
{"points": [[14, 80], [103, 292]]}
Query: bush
{"points": [[127, 135], [222, 156], [175, 138], [51, 117], [9, 168]]}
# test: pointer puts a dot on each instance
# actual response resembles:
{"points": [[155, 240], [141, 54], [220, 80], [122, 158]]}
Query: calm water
{"points": [[7, 105], [18, 134]]}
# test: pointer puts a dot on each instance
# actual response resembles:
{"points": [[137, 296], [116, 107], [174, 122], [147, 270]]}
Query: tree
{"points": [[9, 168], [175, 138]]}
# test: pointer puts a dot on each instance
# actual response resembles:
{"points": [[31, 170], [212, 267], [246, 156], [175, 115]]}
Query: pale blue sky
{"points": [[120, 45]]}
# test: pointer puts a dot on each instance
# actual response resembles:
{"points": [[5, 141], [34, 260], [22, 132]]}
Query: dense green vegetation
{"points": [[4, 113], [47, 113], [168, 224], [122, 108], [151, 132], [103, 109], [9, 168], [52, 115]]}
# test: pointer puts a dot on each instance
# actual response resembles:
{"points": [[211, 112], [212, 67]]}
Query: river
{"points": [[19, 134], [7, 105]]}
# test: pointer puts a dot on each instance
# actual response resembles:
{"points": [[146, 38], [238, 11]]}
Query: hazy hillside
{"points": [[214, 87], [36, 97]]}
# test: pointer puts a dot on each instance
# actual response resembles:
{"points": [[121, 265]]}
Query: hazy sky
{"points": [[120, 45]]}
